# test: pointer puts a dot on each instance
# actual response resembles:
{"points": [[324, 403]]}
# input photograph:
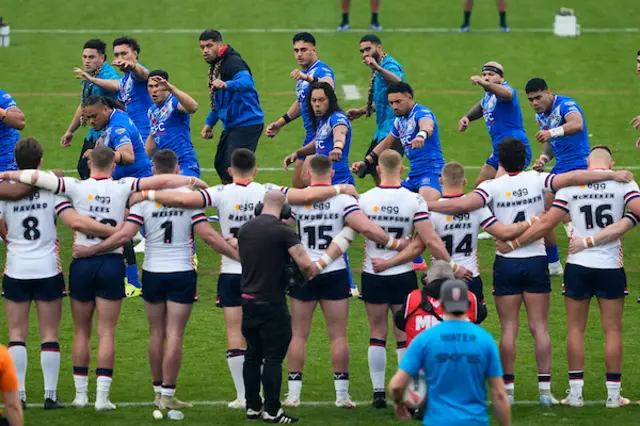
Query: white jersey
{"points": [[104, 200], [394, 209], [460, 234], [32, 238], [516, 198], [592, 208], [235, 203], [168, 235], [320, 222]]}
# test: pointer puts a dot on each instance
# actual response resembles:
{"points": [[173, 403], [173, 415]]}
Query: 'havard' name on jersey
{"points": [[592, 208], [516, 198], [235, 203], [32, 238], [394, 209], [320, 222], [168, 235], [460, 234], [104, 200]]}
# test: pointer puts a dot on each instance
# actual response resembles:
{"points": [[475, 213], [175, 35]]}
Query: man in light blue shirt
{"points": [[457, 357]]}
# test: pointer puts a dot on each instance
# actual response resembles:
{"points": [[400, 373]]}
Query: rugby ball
{"points": [[416, 392]]}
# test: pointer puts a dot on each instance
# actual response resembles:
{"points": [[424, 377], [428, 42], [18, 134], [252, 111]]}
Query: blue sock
{"points": [[552, 254], [418, 259], [346, 260], [132, 276], [193, 248]]}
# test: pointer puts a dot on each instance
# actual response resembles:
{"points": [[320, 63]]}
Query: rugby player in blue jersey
{"points": [[385, 70], [502, 114], [11, 120], [563, 133], [93, 65], [416, 127], [120, 134], [312, 70]]}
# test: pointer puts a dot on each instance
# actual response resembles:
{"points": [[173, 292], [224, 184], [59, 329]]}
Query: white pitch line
{"points": [[295, 30], [351, 92], [280, 169], [303, 403]]}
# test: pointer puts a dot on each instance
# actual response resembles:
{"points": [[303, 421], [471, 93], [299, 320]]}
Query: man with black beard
{"points": [[234, 101]]}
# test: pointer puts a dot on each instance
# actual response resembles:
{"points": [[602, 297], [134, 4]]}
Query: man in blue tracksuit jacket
{"points": [[234, 101]]}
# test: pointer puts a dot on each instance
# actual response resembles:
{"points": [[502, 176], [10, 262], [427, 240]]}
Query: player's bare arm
{"points": [[14, 191], [427, 127], [499, 90], [308, 149], [468, 203], [538, 230], [574, 124], [118, 239], [355, 113], [415, 248], [387, 75], [150, 146], [185, 200], [508, 232], [293, 113], [66, 139], [125, 155], [106, 85], [85, 224], [186, 103], [339, 141], [474, 113], [13, 118], [215, 240], [371, 159], [362, 224], [300, 256], [545, 157], [608, 235], [585, 177], [309, 195], [169, 182], [427, 233]]}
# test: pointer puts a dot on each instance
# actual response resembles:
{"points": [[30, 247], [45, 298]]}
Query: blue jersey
{"points": [[170, 129], [457, 358], [324, 145], [8, 135], [107, 72], [120, 131], [320, 70], [425, 160], [134, 95], [384, 114], [570, 151], [503, 118]]}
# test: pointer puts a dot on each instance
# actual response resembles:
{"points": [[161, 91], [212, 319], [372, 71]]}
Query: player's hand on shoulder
{"points": [[543, 136], [349, 189], [463, 124], [199, 184], [58, 172], [135, 198], [207, 132], [636, 122], [623, 176], [80, 252]]}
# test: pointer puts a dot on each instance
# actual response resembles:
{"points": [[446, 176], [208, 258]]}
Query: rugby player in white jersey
{"points": [[97, 283], [33, 271], [596, 271], [522, 275], [168, 275], [458, 232], [318, 224], [235, 204]]}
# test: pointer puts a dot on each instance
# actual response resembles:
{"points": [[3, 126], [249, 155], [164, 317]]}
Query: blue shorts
{"points": [[190, 169], [178, 287], [97, 276], [558, 169], [388, 289], [431, 180], [475, 286], [308, 138], [346, 178], [46, 289], [330, 286], [229, 294], [493, 160], [582, 283], [513, 276]]}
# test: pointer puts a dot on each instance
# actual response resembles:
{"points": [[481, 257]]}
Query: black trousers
{"points": [[230, 140], [267, 329], [83, 163]]}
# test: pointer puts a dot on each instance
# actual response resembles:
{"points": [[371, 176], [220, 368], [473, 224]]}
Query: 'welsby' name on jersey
{"points": [[29, 207], [168, 213], [515, 203]]}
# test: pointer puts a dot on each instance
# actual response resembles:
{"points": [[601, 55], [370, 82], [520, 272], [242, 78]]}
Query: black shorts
{"points": [[583, 283], [513, 276], [232, 139], [330, 286], [178, 287], [97, 276], [388, 289], [475, 286], [229, 294], [46, 289]]}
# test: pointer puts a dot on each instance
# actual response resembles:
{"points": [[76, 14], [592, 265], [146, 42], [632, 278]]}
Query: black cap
{"points": [[454, 297]]}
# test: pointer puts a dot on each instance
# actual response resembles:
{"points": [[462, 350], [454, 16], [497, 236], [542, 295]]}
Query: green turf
{"points": [[596, 68]]}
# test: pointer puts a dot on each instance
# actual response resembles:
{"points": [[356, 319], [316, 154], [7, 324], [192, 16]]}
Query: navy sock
{"points": [[467, 18], [552, 254]]}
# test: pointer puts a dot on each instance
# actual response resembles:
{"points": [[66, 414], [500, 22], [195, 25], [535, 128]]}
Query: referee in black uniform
{"points": [[265, 245]]}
